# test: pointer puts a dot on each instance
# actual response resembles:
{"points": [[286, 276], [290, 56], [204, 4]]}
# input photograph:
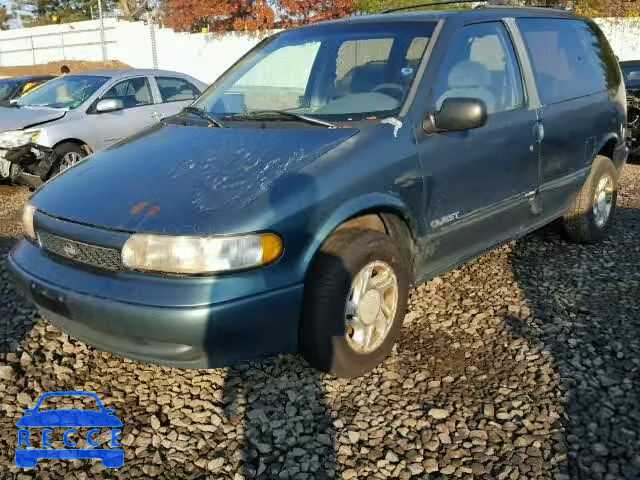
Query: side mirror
{"points": [[13, 101], [109, 105], [457, 115]]}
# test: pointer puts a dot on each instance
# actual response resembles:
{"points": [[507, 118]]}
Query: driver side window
{"points": [[361, 65], [134, 92], [482, 64]]}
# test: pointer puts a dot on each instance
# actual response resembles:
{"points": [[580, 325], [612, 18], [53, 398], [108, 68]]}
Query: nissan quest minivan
{"points": [[291, 206]]}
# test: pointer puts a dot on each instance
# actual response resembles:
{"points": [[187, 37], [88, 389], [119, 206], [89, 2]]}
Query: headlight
{"points": [[18, 138], [200, 255], [27, 221]]}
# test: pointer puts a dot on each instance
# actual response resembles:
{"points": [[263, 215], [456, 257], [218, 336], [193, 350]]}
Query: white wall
{"points": [[70, 41], [624, 36], [205, 56]]}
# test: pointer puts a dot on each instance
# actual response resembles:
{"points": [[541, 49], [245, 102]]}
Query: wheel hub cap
{"points": [[371, 307], [603, 201], [68, 160]]}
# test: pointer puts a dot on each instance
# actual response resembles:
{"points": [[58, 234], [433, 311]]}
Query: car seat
{"points": [[143, 96], [469, 79]]}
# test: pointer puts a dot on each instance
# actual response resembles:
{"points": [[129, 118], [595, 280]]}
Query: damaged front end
{"points": [[29, 165]]}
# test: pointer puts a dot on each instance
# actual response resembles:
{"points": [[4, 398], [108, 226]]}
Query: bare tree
{"points": [[133, 9]]}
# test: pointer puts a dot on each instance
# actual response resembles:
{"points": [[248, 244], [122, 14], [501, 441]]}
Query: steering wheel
{"points": [[397, 90]]}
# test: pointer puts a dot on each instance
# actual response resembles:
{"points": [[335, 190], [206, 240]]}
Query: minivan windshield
{"points": [[333, 72], [69, 91]]}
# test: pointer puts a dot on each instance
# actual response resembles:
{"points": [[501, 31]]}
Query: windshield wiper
{"points": [[278, 115], [202, 114]]}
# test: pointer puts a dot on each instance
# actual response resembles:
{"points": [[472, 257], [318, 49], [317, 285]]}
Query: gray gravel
{"points": [[523, 364]]}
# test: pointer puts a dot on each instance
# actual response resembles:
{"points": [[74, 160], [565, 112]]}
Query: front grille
{"points": [[92, 255]]}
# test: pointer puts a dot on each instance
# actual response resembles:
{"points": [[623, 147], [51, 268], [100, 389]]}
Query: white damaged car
{"points": [[72, 116]]}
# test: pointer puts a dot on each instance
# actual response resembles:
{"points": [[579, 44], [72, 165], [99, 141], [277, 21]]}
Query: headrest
{"points": [[365, 77], [469, 74]]}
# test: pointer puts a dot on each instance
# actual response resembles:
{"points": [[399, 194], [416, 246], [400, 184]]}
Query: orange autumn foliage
{"points": [[250, 15]]}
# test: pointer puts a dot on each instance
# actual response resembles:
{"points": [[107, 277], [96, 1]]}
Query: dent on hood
{"points": [[175, 179], [227, 173]]}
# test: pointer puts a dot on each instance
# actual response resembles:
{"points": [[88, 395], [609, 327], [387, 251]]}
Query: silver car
{"points": [[68, 118]]}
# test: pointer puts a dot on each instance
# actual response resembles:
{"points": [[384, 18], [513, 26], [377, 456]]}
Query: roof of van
{"points": [[462, 14]]}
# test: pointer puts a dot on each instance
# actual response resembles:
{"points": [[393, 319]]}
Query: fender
{"points": [[368, 203], [82, 144], [609, 144]]}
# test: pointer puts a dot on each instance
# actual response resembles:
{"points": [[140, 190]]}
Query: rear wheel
{"points": [[68, 154], [355, 301], [589, 218]]}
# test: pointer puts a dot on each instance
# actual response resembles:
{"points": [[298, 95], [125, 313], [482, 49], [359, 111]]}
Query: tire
{"points": [[324, 330], [581, 223], [63, 153]]}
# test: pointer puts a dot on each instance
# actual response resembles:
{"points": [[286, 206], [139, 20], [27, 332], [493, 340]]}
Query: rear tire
{"points": [[68, 154], [591, 214], [340, 311]]}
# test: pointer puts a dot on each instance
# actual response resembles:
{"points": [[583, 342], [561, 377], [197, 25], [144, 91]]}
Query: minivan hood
{"points": [[170, 177], [13, 118]]}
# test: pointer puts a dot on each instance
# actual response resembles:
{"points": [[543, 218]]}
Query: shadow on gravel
{"points": [[585, 302], [280, 402], [288, 431], [16, 314]]}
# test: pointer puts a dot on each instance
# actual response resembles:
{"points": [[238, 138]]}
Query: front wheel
{"points": [[589, 218], [68, 154], [355, 301]]}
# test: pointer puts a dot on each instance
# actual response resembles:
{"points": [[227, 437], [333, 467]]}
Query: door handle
{"points": [[539, 132]]}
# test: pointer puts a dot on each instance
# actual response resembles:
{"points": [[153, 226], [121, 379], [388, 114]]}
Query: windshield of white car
{"points": [[7, 88], [333, 72], [631, 75], [69, 91]]}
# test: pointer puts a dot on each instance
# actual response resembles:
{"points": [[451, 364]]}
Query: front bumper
{"points": [[217, 335], [29, 165]]}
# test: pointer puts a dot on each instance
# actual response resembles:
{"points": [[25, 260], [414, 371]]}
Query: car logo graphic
{"points": [[68, 418], [70, 250]]}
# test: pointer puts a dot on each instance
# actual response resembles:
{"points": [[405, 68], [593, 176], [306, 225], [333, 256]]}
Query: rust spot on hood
{"points": [[139, 207], [153, 211]]}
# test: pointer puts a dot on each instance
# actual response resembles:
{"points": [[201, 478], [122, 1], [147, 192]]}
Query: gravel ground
{"points": [[524, 363]]}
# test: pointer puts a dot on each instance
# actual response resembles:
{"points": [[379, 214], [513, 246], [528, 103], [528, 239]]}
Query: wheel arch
{"points": [[78, 142], [379, 212], [608, 145], [607, 148]]}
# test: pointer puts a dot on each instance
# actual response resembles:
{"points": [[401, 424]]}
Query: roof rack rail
{"points": [[484, 3], [432, 4]]}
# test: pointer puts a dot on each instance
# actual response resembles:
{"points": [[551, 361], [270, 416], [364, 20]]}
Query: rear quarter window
{"points": [[174, 89], [570, 58]]}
